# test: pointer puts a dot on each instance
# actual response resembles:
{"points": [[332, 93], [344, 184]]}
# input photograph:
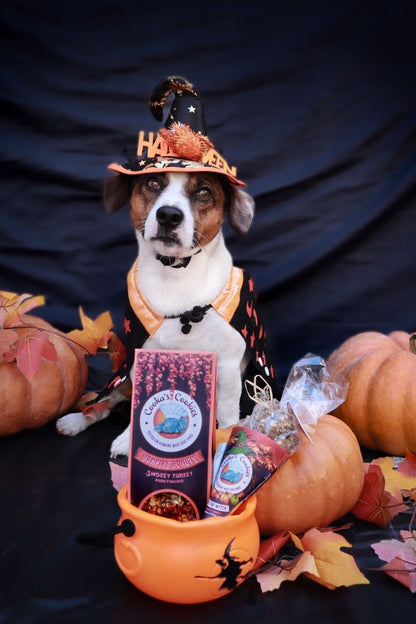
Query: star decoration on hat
{"points": [[191, 109]]}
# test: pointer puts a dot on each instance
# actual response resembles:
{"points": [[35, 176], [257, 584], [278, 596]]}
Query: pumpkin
{"points": [[319, 483], [381, 402], [51, 392]]}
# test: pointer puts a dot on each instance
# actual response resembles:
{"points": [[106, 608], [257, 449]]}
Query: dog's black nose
{"points": [[169, 216]]}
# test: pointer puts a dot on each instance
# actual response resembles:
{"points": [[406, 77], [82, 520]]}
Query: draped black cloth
{"points": [[315, 103]]}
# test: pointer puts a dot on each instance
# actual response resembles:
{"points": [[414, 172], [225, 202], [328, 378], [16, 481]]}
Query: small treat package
{"points": [[254, 451], [248, 460], [172, 424]]}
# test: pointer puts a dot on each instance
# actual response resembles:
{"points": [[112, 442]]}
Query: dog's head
{"points": [[178, 212]]}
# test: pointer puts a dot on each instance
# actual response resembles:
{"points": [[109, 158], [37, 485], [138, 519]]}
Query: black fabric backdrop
{"points": [[315, 102]]}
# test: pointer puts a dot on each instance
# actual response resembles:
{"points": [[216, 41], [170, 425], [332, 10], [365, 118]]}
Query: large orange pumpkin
{"points": [[52, 391], [381, 402], [319, 483]]}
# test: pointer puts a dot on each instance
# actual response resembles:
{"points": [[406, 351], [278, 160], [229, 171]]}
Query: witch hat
{"points": [[182, 144]]}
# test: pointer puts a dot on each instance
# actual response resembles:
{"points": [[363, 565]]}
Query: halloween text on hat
{"points": [[150, 145]]}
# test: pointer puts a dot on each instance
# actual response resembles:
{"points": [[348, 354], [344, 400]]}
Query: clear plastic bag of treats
{"points": [[275, 419], [312, 390]]}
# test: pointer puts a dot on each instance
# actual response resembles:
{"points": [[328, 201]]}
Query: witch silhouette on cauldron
{"points": [[230, 569]]}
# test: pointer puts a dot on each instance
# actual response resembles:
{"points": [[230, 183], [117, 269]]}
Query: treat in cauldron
{"points": [[170, 505]]}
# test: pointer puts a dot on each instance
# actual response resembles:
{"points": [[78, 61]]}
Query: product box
{"points": [[173, 417]]}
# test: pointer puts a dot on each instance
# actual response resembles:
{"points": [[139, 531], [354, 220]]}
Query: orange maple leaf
{"points": [[335, 568], [12, 306], [95, 334], [375, 504]]}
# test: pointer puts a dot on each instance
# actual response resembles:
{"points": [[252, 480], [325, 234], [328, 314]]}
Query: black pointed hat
{"points": [[182, 144], [186, 107]]}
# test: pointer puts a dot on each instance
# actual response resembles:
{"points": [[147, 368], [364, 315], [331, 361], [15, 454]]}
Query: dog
{"points": [[183, 263], [184, 293]]}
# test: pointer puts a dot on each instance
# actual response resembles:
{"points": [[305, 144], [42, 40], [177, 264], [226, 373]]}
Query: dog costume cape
{"points": [[236, 303]]}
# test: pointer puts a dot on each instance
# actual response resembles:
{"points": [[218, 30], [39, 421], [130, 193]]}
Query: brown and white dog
{"points": [[183, 262]]}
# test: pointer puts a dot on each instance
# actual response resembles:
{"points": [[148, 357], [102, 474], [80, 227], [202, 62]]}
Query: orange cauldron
{"points": [[186, 562]]}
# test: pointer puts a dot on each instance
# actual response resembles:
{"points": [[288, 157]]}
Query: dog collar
{"points": [[170, 260]]}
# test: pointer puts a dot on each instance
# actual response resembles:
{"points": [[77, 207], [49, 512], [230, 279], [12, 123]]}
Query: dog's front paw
{"points": [[121, 445], [72, 424]]}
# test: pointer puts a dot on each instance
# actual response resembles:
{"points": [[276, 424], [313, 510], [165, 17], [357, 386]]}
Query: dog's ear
{"points": [[241, 210], [116, 192]]}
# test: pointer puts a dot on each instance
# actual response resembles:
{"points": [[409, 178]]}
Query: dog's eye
{"points": [[204, 193], [153, 184]]}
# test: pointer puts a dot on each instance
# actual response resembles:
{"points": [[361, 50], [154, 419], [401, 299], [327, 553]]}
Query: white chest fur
{"points": [[171, 290], [213, 333]]}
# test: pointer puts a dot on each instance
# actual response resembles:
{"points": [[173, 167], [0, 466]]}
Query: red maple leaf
{"points": [[117, 352], [408, 465], [375, 504], [96, 409], [30, 351], [270, 547]]}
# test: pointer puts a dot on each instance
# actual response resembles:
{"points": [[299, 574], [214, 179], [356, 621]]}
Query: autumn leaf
{"points": [[407, 467], [12, 306], [97, 409], [86, 397], [412, 494], [395, 480], [117, 352], [335, 568], [270, 547], [30, 351], [286, 570], [8, 338], [374, 503], [94, 334], [400, 557]]}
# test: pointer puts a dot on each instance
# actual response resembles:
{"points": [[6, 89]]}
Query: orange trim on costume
{"points": [[227, 301], [150, 319]]}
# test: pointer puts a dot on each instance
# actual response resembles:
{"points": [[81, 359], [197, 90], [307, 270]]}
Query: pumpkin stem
{"points": [[412, 343]]}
